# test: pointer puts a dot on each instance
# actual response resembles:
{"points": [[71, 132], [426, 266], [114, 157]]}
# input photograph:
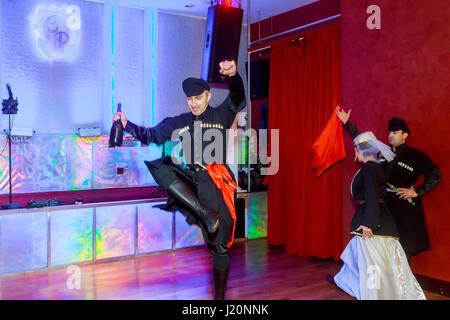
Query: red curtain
{"points": [[305, 212]]}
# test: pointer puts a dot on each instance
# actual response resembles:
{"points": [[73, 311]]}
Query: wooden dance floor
{"points": [[258, 271]]}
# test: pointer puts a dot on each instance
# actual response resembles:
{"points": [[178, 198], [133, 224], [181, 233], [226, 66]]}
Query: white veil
{"points": [[367, 140]]}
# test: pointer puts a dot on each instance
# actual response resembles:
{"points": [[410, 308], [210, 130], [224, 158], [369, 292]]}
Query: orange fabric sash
{"points": [[329, 148], [225, 183]]}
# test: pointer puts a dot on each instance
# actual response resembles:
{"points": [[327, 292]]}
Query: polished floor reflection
{"points": [[258, 271]]}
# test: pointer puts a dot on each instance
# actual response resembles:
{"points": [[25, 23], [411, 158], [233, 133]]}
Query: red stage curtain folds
{"points": [[305, 212]]}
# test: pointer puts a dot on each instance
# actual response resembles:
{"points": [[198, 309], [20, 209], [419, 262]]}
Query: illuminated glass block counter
{"points": [[45, 237]]}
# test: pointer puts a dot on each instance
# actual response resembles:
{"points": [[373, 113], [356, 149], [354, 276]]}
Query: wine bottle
{"points": [[116, 135]]}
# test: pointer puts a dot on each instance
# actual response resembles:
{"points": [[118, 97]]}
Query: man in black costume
{"points": [[404, 200], [193, 190]]}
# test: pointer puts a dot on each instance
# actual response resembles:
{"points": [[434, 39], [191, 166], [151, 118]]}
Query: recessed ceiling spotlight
{"points": [[190, 5]]}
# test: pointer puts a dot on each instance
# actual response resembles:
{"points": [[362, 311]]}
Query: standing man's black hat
{"points": [[396, 124], [194, 86]]}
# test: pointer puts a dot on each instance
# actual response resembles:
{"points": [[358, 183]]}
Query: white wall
{"points": [[129, 62], [53, 97], [181, 40], [58, 98]]}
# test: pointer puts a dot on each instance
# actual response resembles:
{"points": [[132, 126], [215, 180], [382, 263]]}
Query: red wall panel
{"points": [[295, 18], [403, 70]]}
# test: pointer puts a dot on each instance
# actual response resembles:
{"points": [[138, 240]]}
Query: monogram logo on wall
{"points": [[56, 31]]}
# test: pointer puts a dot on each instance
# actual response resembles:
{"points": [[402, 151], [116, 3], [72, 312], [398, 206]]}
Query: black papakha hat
{"points": [[396, 124], [194, 86]]}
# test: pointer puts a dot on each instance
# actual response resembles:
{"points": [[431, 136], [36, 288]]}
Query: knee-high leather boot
{"points": [[220, 282], [184, 194]]}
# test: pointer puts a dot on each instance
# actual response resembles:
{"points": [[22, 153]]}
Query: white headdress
{"points": [[367, 141]]}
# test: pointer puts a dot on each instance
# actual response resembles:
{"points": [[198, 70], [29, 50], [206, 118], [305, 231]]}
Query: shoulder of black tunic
{"points": [[411, 151], [373, 166]]}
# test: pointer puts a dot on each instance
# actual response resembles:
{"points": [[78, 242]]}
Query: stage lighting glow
{"points": [[257, 217], [56, 31]]}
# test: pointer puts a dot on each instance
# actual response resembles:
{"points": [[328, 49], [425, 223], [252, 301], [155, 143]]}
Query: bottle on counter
{"points": [[116, 135]]}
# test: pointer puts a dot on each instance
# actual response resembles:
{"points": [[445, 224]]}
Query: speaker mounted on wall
{"points": [[222, 36], [259, 78]]}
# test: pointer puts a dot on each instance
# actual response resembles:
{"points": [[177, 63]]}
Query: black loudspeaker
{"points": [[239, 231], [259, 78], [222, 36]]}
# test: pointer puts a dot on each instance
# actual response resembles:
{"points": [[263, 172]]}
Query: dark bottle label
{"points": [[116, 135]]}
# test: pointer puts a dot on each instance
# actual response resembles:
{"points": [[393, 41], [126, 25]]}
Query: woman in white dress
{"points": [[375, 265]]}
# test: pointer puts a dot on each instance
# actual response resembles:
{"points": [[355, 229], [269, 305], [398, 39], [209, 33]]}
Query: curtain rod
{"points": [[259, 49], [295, 29]]}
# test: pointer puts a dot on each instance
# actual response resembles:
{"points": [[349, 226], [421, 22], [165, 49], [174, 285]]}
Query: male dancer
{"points": [[403, 172], [204, 191]]}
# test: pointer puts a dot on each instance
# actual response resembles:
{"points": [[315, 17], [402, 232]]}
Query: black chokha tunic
{"points": [[403, 172], [369, 189], [188, 127]]}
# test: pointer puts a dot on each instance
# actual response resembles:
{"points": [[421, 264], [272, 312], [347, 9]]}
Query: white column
{"points": [[1, 54], [150, 66], [108, 65]]}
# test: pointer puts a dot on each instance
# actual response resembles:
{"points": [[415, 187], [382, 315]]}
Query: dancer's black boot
{"points": [[220, 283], [221, 268], [179, 190]]}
